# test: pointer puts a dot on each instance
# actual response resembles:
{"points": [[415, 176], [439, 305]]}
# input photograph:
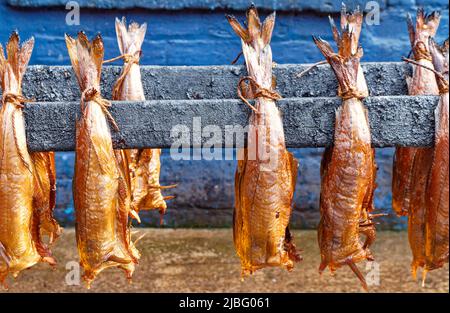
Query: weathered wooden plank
{"points": [[308, 122], [58, 83]]}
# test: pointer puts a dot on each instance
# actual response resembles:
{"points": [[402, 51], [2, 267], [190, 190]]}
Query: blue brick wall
{"points": [[203, 37]]}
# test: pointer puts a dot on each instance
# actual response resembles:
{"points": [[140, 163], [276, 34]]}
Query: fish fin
{"points": [[3, 282], [424, 276], [238, 29], [121, 33], [12, 51], [267, 28], [114, 258], [24, 56], [86, 58], [4, 255], [358, 274], [414, 271], [427, 22], [130, 39], [353, 23], [2, 66], [334, 30], [253, 23], [16, 60], [323, 265], [71, 44], [97, 54], [411, 29]]}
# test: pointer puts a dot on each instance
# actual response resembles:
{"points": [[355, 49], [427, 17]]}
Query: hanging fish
{"points": [[100, 192], [142, 167], [437, 192], [412, 165], [353, 23], [348, 167], [422, 82], [266, 172], [45, 173], [26, 183]]}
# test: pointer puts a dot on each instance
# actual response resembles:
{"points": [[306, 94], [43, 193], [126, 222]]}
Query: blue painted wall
{"points": [[193, 37]]}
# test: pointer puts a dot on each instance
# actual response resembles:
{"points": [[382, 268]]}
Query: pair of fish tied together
{"points": [[420, 185], [266, 173], [27, 180], [348, 169], [110, 186]]}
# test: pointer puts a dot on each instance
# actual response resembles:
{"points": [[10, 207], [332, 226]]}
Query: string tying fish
{"points": [[442, 82], [129, 60], [350, 92], [310, 68], [93, 94], [421, 52], [18, 101], [259, 92]]}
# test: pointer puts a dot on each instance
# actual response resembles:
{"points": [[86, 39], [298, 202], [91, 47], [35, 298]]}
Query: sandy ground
{"points": [[200, 260]]}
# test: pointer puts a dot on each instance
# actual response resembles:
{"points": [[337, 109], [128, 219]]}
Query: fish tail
{"points": [[130, 39], [14, 64], [4, 255], [358, 274], [86, 58]]}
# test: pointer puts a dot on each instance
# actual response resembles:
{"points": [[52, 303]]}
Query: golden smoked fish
{"points": [[404, 182], [348, 167], [99, 190], [266, 172], [45, 186], [437, 194], [141, 167], [26, 181], [412, 165]]}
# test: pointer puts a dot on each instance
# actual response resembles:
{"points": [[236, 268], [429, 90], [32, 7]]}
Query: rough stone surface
{"points": [[58, 83], [308, 122]]}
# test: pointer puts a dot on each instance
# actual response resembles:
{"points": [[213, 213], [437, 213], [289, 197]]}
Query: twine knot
{"points": [[93, 94], [258, 92]]}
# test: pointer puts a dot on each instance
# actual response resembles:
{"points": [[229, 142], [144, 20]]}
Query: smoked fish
{"points": [[422, 82], [348, 166], [141, 166], [26, 180], [266, 173], [437, 194], [100, 192], [412, 165]]}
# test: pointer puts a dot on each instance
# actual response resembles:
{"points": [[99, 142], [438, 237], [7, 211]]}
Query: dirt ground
{"points": [[201, 260]]}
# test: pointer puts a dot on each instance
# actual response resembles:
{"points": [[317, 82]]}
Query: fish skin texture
{"points": [[27, 184], [348, 168], [266, 173], [99, 190], [142, 166], [437, 194], [413, 166]]}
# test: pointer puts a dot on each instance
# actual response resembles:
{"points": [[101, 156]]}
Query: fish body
{"points": [[412, 165], [99, 189], [23, 204], [348, 168], [345, 180], [437, 195], [141, 165], [422, 82], [266, 173]]}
